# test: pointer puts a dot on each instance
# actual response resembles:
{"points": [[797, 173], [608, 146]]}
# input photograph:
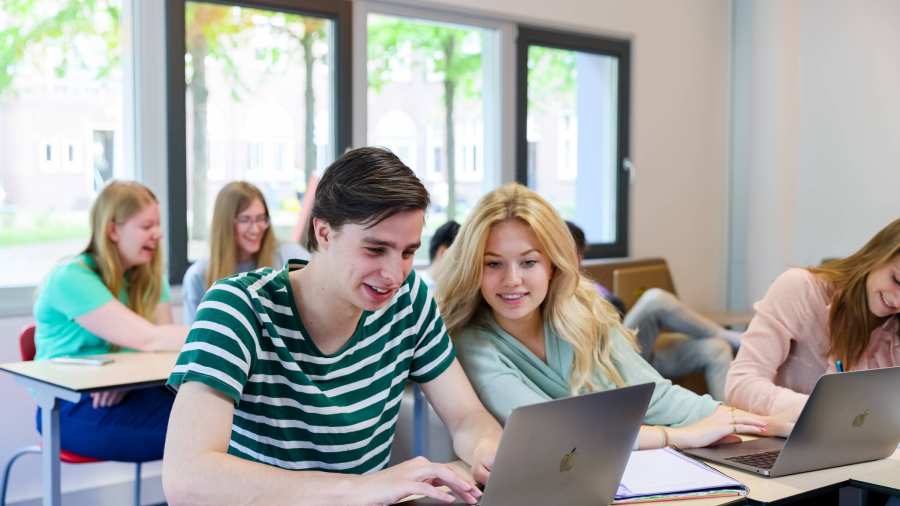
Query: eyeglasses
{"points": [[245, 221]]}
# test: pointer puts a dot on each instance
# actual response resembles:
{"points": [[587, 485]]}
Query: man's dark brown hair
{"points": [[365, 186]]}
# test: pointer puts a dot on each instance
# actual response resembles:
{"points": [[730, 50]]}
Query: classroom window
{"points": [[64, 76], [428, 83], [573, 97], [262, 76]]}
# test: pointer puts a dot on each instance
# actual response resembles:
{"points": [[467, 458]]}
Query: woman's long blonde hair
{"points": [[573, 307], [850, 321], [117, 203], [231, 201]]}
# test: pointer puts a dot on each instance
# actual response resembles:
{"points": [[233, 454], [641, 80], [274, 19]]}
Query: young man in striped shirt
{"points": [[302, 368]]}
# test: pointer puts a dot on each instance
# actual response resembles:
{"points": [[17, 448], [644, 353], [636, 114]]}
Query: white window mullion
{"points": [[145, 92]]}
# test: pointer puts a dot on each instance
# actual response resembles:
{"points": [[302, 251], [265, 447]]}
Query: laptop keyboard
{"points": [[763, 460]]}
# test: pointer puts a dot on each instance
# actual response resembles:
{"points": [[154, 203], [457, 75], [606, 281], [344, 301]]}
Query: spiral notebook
{"points": [[666, 474]]}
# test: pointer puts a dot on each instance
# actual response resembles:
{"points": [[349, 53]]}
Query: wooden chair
{"points": [[629, 283], [630, 278]]}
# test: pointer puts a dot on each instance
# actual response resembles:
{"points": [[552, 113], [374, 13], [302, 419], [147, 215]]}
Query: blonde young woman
{"points": [[845, 311], [241, 240], [112, 296], [529, 327]]}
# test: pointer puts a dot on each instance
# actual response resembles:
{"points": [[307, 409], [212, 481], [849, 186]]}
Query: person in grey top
{"points": [[241, 240], [706, 345]]}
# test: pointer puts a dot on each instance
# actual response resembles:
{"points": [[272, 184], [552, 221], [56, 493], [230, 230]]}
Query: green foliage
{"points": [[42, 232], [551, 76], [396, 42], [33, 28], [227, 30]]}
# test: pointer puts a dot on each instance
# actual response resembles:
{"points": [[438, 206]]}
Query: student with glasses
{"points": [[241, 240]]}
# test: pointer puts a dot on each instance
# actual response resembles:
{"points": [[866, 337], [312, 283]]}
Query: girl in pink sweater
{"points": [[847, 310]]}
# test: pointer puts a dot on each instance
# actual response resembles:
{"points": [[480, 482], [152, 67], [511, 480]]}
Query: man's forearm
{"points": [[218, 478]]}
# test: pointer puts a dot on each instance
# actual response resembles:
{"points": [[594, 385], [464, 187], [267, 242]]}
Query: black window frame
{"points": [[606, 46], [338, 11]]}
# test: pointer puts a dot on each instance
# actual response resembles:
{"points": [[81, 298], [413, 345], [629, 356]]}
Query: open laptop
{"points": [[568, 451], [849, 417]]}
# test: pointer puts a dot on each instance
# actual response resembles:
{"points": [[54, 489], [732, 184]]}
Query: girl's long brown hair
{"points": [[233, 199], [850, 322], [117, 203]]}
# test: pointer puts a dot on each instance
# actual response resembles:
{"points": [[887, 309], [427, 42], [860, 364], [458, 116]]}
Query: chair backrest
{"points": [[601, 269], [631, 282], [26, 342]]}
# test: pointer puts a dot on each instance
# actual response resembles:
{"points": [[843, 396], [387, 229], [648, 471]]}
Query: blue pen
{"points": [[839, 366]]}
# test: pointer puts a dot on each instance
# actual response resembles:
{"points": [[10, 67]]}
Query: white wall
{"points": [[816, 133]]}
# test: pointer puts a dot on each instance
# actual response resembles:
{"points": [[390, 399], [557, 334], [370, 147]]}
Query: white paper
{"points": [[665, 471]]}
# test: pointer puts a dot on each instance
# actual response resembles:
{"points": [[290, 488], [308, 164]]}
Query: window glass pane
{"points": [[260, 104], [572, 136], [429, 96], [61, 128]]}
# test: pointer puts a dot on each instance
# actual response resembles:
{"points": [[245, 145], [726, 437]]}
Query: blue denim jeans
{"points": [[132, 431], [657, 311]]}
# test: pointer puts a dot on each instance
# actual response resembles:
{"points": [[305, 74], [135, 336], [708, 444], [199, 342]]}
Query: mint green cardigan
{"points": [[507, 375]]}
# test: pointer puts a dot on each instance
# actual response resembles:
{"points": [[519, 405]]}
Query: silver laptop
{"points": [[849, 417], [568, 451]]}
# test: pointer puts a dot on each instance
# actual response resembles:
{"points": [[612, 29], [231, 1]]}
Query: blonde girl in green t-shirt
{"points": [[112, 296]]}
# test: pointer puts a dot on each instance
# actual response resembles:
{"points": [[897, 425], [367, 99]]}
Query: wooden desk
{"points": [[464, 469], [50, 382], [882, 474], [885, 477]]}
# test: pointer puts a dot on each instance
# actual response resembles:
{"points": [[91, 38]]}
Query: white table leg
{"points": [[50, 455]]}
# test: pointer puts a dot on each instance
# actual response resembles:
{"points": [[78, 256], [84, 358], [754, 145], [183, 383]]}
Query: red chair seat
{"points": [[27, 350], [74, 458]]}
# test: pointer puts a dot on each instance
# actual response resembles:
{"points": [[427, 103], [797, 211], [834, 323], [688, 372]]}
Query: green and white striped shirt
{"points": [[296, 408]]}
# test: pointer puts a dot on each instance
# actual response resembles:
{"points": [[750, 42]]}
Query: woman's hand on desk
{"points": [[779, 425], [722, 426], [417, 476], [483, 459], [107, 399]]}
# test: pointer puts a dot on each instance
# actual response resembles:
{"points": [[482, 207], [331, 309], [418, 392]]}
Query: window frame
{"points": [[154, 135], [140, 142], [505, 68], [338, 11], [502, 120], [594, 44]]}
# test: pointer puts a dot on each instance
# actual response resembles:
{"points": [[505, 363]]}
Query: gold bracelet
{"points": [[665, 436]]}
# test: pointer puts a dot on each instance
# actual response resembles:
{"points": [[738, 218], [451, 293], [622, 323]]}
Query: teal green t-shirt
{"points": [[71, 290]]}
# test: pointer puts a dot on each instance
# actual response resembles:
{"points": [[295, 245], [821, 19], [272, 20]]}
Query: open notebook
{"points": [[653, 475]]}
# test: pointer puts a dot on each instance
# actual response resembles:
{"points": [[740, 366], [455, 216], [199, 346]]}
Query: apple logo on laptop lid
{"points": [[568, 461]]}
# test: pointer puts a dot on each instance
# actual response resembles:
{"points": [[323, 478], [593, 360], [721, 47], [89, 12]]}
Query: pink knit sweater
{"points": [[785, 349]]}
